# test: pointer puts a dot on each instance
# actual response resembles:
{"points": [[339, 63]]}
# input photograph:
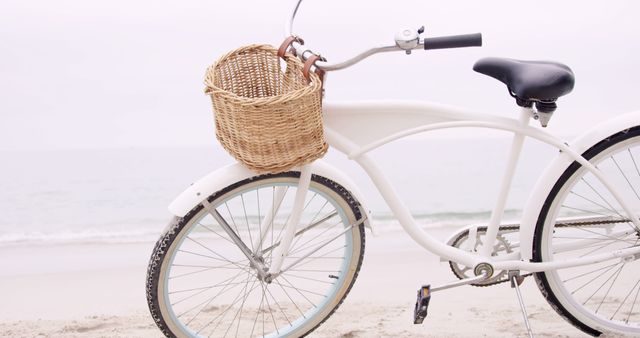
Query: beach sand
{"points": [[97, 290]]}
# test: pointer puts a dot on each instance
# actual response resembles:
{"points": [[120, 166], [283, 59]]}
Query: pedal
{"points": [[422, 304]]}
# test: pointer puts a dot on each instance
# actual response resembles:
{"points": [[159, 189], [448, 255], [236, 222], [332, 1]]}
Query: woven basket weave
{"points": [[267, 114]]}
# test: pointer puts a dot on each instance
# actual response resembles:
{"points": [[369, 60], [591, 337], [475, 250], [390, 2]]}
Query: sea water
{"points": [[121, 195]]}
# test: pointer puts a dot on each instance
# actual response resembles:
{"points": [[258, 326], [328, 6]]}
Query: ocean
{"points": [[121, 195]]}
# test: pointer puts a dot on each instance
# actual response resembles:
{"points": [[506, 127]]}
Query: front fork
{"points": [[281, 251]]}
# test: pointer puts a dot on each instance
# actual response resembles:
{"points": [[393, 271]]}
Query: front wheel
{"points": [[200, 284], [581, 218]]}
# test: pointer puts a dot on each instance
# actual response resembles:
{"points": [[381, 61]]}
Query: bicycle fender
{"points": [[227, 175], [547, 180]]}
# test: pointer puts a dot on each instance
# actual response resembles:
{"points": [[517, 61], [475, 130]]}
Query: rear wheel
{"points": [[200, 284], [580, 218]]}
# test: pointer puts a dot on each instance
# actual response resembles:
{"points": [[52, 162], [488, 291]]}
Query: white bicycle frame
{"points": [[389, 121]]}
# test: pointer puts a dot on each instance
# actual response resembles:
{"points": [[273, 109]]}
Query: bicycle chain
{"points": [[602, 221], [501, 230], [515, 227]]}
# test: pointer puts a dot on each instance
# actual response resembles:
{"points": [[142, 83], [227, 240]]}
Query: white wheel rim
{"points": [[565, 296], [313, 315]]}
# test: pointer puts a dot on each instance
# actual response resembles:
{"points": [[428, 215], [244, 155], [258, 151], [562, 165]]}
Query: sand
{"points": [[97, 290]]}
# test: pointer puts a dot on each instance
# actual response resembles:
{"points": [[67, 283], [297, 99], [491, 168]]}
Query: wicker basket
{"points": [[267, 114]]}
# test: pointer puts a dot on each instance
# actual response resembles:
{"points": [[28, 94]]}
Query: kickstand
{"points": [[516, 280]]}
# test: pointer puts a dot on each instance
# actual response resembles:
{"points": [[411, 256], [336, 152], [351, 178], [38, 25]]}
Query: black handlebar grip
{"points": [[454, 41]]}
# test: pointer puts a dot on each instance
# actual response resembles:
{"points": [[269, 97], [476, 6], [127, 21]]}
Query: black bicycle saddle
{"points": [[529, 80]]}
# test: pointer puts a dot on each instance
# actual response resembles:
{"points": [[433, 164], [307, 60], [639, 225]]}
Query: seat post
{"points": [[505, 186], [525, 115]]}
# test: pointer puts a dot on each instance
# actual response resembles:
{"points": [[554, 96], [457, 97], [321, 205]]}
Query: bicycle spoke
{"points": [[625, 177], [595, 203], [206, 302], [241, 308], [199, 271], [588, 211], [246, 218], [593, 279], [273, 212], [602, 235], [204, 266], [206, 256], [610, 286], [311, 259], [588, 273], [586, 218], [633, 305], [318, 237], [279, 307], [311, 200], [287, 220], [269, 307], [233, 221], [223, 314], [624, 300], [303, 290], [634, 162], [314, 270], [213, 252], [213, 289], [603, 284], [609, 204], [201, 288], [298, 290], [220, 317], [215, 232], [277, 238], [315, 249], [307, 278], [284, 225], [312, 220], [257, 315], [599, 248], [324, 257], [244, 299], [291, 299], [300, 232], [601, 197], [259, 218]]}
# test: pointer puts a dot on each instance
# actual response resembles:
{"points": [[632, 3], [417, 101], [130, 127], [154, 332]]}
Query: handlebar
{"points": [[454, 41]]}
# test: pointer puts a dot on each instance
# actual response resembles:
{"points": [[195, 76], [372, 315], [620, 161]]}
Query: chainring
{"points": [[502, 246]]}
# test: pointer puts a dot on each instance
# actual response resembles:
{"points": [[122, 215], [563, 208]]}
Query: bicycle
{"points": [[276, 254]]}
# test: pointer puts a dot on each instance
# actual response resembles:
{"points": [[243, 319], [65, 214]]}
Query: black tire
{"points": [[161, 307], [597, 223]]}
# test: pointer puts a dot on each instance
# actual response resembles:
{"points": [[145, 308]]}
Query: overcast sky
{"points": [[79, 74]]}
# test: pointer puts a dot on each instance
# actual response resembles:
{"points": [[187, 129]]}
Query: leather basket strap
{"points": [[287, 43], [311, 62]]}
